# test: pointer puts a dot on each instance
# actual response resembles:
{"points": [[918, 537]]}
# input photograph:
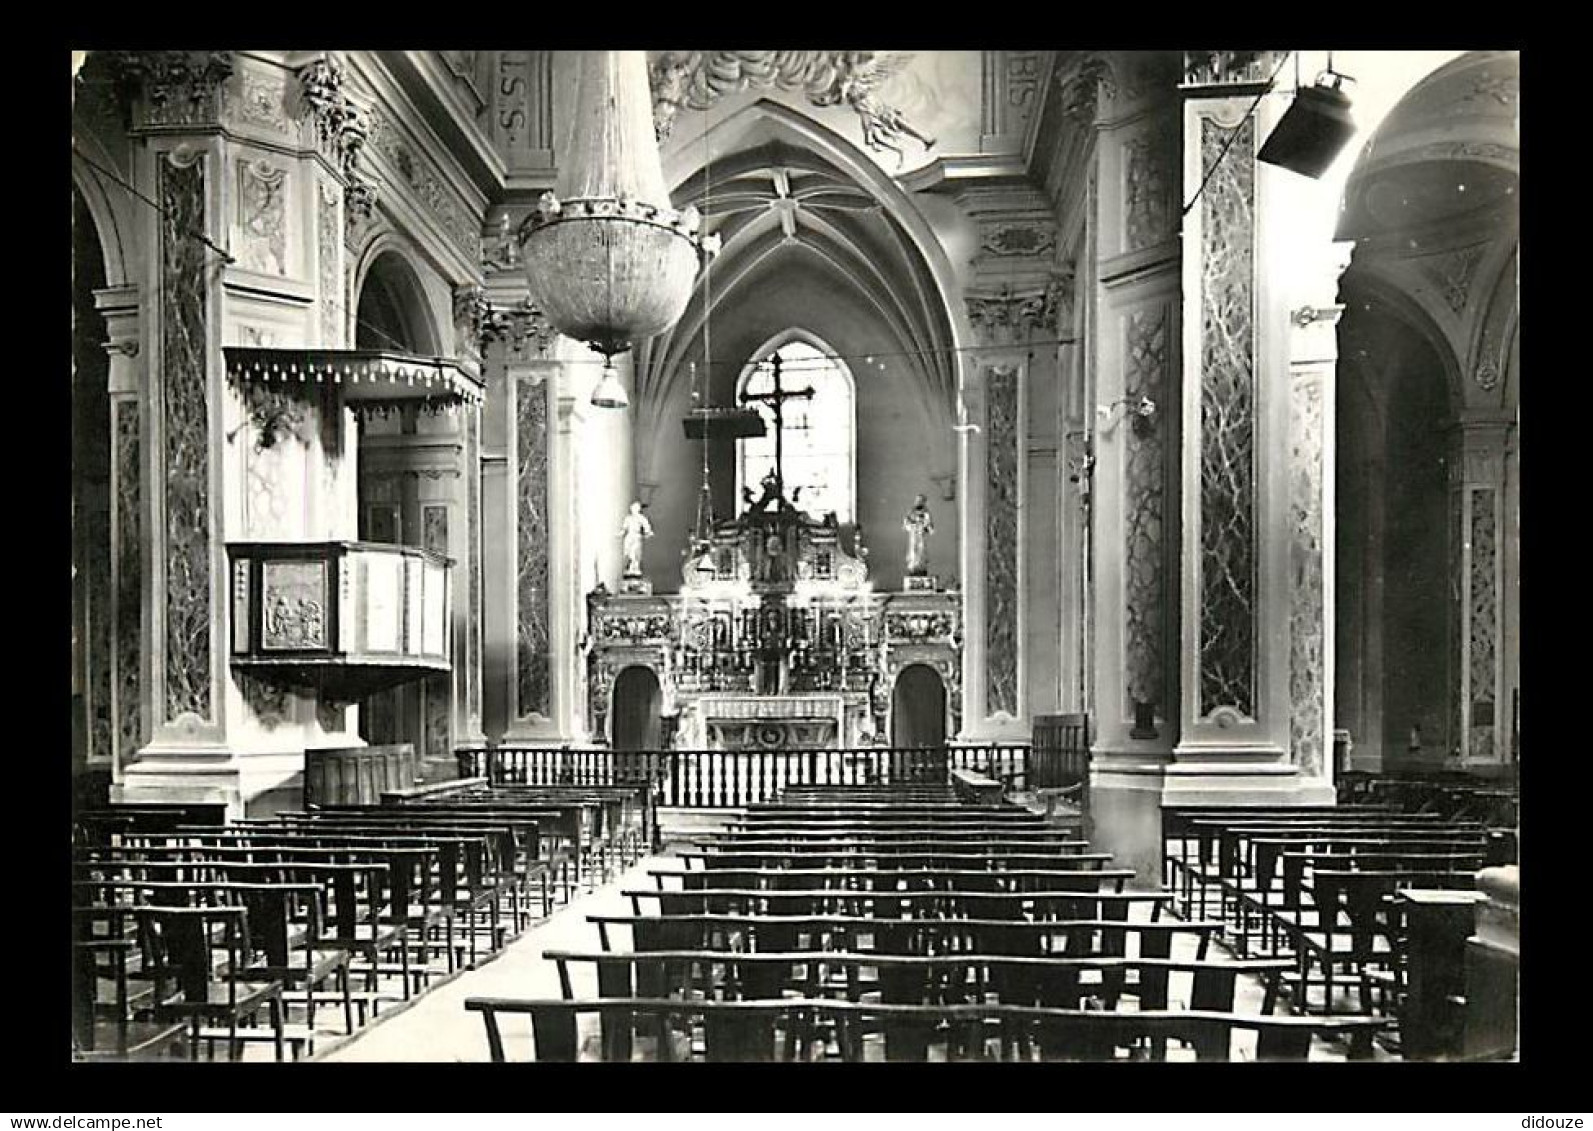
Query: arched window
{"points": [[819, 455]]}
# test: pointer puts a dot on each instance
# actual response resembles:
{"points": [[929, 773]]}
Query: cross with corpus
{"points": [[777, 398]]}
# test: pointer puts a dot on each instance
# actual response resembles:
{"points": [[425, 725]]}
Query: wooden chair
{"points": [[176, 945]]}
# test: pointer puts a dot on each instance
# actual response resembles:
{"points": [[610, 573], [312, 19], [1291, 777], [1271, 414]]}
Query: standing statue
{"points": [[633, 531], [919, 526]]}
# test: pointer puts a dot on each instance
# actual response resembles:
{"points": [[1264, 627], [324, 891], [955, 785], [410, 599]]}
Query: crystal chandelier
{"points": [[608, 260]]}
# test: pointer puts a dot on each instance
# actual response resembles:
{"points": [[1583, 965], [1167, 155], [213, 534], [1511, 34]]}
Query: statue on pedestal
{"points": [[919, 525], [633, 531]]}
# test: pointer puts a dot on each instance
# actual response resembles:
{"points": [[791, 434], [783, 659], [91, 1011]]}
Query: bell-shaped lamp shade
{"points": [[608, 260], [609, 392], [1313, 131]]}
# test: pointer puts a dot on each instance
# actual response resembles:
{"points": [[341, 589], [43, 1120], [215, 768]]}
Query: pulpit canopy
{"points": [[370, 380]]}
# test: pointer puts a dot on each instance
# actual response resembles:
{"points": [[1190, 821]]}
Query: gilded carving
{"points": [[185, 406], [1227, 425], [1001, 540]]}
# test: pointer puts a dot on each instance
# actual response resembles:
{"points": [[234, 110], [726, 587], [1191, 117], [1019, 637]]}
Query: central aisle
{"points": [[437, 1028]]}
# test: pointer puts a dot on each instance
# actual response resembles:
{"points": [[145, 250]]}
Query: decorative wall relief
{"points": [[1001, 540], [1147, 193], [258, 99], [267, 700], [439, 696], [294, 600], [1227, 424], [1484, 609], [427, 185], [434, 529], [129, 575], [532, 636], [1008, 239], [1453, 274], [1307, 640], [262, 217], [186, 411], [1145, 647], [329, 247], [330, 715], [179, 87]]}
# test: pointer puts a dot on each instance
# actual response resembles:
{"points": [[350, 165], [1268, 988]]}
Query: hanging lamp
{"points": [[608, 260]]}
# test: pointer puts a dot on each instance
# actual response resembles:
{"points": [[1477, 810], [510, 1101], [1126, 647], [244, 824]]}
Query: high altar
{"points": [[776, 639]]}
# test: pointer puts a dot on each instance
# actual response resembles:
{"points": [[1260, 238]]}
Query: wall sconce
{"points": [[1143, 412], [1306, 315]]}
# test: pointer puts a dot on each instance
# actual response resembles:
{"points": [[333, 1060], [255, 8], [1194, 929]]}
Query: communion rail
{"points": [[725, 779]]}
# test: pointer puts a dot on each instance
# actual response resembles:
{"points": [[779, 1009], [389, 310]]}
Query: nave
{"points": [[862, 923]]}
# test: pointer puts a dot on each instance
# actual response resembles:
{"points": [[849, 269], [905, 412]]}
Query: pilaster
{"points": [[122, 311], [1481, 709], [1254, 656]]}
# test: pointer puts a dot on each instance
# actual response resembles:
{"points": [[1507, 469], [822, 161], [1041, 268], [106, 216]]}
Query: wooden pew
{"points": [[1060, 900], [854, 878], [890, 857], [763, 1031], [1052, 980], [830, 931]]}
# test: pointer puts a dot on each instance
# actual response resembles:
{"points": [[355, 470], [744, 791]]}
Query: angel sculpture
{"points": [[698, 79]]}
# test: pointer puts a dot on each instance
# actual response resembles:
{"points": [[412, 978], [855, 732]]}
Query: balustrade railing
{"points": [[722, 779]]}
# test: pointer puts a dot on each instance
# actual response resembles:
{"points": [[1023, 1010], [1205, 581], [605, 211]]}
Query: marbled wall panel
{"points": [[1148, 204], [329, 245], [532, 549], [1145, 648], [97, 532], [1001, 540], [1484, 598], [472, 658], [129, 575], [434, 529], [1227, 424], [186, 414], [1307, 638]]}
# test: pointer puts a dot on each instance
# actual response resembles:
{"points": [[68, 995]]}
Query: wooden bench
{"points": [[1151, 939], [744, 1031]]}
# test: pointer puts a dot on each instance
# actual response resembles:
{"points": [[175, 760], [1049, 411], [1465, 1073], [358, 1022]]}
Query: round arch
{"points": [[918, 707], [388, 261], [91, 187], [635, 709]]}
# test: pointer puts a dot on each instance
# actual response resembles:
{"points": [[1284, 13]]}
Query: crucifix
{"points": [[777, 398]]}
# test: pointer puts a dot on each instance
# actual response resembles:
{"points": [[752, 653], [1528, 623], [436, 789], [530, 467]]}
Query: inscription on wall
{"points": [[1001, 540], [1227, 423], [186, 414]]}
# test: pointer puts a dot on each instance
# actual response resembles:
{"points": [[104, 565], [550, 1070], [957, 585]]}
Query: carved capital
{"points": [[1082, 85], [1013, 317], [339, 125], [177, 87]]}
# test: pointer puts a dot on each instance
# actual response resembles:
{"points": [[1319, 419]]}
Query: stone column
{"points": [[1237, 598], [1481, 709]]}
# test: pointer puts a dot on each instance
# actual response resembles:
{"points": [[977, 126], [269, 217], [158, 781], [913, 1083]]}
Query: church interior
{"points": [[989, 555]]}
